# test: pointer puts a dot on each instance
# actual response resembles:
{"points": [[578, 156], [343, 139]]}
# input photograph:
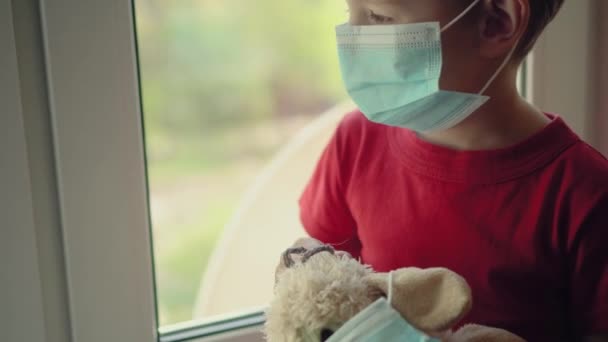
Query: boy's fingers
{"points": [[307, 243]]}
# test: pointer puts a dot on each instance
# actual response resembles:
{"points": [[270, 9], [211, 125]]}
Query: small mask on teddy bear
{"points": [[325, 297]]}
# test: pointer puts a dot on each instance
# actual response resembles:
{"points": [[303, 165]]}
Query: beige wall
{"points": [[559, 66], [599, 72], [569, 71]]}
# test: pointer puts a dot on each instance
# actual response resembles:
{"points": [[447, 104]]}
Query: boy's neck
{"points": [[505, 120]]}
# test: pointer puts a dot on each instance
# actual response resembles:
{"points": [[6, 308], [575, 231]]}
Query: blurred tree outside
{"points": [[225, 84]]}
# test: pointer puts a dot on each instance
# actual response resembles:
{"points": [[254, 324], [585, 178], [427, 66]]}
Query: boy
{"points": [[493, 189]]}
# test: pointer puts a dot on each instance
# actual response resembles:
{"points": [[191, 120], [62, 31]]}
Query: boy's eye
{"points": [[378, 19]]}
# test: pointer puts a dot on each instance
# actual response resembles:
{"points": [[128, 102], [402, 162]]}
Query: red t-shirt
{"points": [[526, 226]]}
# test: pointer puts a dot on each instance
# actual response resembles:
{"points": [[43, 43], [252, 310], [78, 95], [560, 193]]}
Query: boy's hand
{"points": [[308, 244]]}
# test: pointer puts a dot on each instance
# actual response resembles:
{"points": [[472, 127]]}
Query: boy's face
{"points": [[459, 43]]}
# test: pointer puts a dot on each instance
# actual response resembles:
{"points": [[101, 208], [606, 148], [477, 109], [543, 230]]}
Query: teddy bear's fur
{"points": [[326, 290]]}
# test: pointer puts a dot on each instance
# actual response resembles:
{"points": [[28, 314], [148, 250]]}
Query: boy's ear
{"points": [[502, 24], [432, 300]]}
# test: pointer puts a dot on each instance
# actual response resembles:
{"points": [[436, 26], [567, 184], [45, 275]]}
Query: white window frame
{"points": [[98, 146], [99, 160], [92, 73], [20, 283]]}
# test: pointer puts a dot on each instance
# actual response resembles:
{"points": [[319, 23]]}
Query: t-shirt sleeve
{"points": [[589, 271], [324, 211]]}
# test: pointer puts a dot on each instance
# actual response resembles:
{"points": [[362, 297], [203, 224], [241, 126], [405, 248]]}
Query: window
{"points": [[89, 59], [522, 79], [233, 97], [233, 92]]}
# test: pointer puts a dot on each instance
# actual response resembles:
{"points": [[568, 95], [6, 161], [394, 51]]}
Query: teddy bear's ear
{"points": [[432, 299]]}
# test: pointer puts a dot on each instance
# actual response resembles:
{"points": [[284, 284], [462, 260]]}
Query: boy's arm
{"points": [[324, 210]]}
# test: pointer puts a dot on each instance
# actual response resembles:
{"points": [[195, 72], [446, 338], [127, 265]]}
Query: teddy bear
{"points": [[323, 296]]}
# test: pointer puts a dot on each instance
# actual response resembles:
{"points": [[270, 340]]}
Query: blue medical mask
{"points": [[379, 322], [392, 73]]}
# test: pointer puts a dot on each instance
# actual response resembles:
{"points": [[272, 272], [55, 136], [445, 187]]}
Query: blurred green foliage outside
{"points": [[225, 84]]}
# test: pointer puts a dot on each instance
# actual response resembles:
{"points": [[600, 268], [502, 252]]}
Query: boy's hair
{"points": [[541, 14]]}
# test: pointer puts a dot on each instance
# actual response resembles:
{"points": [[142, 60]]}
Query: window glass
{"points": [[522, 77], [239, 98], [227, 86]]}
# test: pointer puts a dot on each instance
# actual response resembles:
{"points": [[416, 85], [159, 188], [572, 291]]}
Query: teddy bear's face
{"points": [[320, 291], [316, 297]]}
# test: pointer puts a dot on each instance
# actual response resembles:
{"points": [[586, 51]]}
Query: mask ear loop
{"points": [[390, 288], [458, 17], [500, 68]]}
